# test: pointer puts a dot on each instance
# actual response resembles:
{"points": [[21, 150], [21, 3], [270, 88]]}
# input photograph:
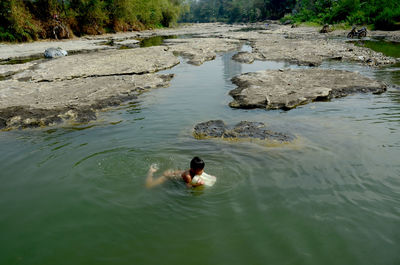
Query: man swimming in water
{"points": [[196, 168]]}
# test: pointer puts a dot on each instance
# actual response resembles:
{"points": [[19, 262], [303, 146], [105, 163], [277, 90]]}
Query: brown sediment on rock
{"points": [[200, 50], [286, 89], [241, 131], [30, 104]]}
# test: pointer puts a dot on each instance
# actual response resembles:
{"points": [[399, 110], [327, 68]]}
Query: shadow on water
{"points": [[20, 61], [155, 41], [248, 29]]}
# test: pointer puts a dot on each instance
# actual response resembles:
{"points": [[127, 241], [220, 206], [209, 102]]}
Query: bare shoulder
{"points": [[186, 176]]}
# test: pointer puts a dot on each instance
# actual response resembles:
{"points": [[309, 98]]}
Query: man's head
{"points": [[197, 165]]}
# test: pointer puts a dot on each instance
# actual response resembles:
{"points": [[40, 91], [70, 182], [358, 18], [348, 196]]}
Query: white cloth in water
{"points": [[207, 179]]}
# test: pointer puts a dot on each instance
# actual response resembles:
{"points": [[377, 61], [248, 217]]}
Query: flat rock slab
{"points": [[104, 63], [10, 69], [304, 51], [34, 104], [200, 50], [36, 49], [242, 130], [286, 89]]}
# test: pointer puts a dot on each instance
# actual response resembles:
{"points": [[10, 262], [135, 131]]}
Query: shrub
{"points": [[357, 18], [18, 22], [388, 19], [342, 9]]}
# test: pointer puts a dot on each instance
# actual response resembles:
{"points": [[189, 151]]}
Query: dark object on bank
{"points": [[325, 29], [58, 29], [287, 22], [357, 33]]}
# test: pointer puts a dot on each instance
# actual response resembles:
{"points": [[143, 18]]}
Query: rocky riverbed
{"points": [[98, 73], [286, 89]]}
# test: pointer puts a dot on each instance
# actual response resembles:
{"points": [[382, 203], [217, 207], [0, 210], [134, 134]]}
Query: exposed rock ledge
{"points": [[242, 130], [286, 89], [200, 50], [313, 51], [104, 63], [31, 104]]}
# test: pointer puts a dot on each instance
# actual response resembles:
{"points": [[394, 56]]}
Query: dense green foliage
{"points": [[24, 20], [237, 10], [32, 19], [383, 14]]}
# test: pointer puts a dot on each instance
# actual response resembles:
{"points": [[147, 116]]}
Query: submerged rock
{"points": [[242, 130], [286, 89], [55, 52], [243, 57], [213, 128]]}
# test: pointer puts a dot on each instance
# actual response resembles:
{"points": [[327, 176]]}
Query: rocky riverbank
{"points": [[27, 104], [98, 73]]}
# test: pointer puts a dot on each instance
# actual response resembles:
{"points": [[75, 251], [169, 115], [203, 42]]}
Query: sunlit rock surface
{"points": [[286, 89]]}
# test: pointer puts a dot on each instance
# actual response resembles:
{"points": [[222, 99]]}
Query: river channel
{"points": [[74, 194]]}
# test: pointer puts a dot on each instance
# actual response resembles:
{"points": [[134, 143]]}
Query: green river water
{"points": [[75, 194]]}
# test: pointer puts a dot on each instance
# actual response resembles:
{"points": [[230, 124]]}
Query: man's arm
{"points": [[150, 181]]}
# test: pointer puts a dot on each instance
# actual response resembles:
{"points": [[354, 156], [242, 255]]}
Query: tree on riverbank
{"points": [[33, 19], [237, 10], [382, 14]]}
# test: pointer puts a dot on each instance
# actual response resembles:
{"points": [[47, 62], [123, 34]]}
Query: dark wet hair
{"points": [[197, 163]]}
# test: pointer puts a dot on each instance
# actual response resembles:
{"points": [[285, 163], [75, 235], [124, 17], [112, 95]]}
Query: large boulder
{"points": [[242, 130], [54, 53]]}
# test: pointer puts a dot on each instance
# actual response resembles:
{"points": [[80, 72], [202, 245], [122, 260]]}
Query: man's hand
{"points": [[198, 183], [153, 168]]}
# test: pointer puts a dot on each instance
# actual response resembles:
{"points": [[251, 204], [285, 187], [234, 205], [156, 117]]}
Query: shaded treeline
{"points": [[237, 10], [382, 14], [33, 19]]}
